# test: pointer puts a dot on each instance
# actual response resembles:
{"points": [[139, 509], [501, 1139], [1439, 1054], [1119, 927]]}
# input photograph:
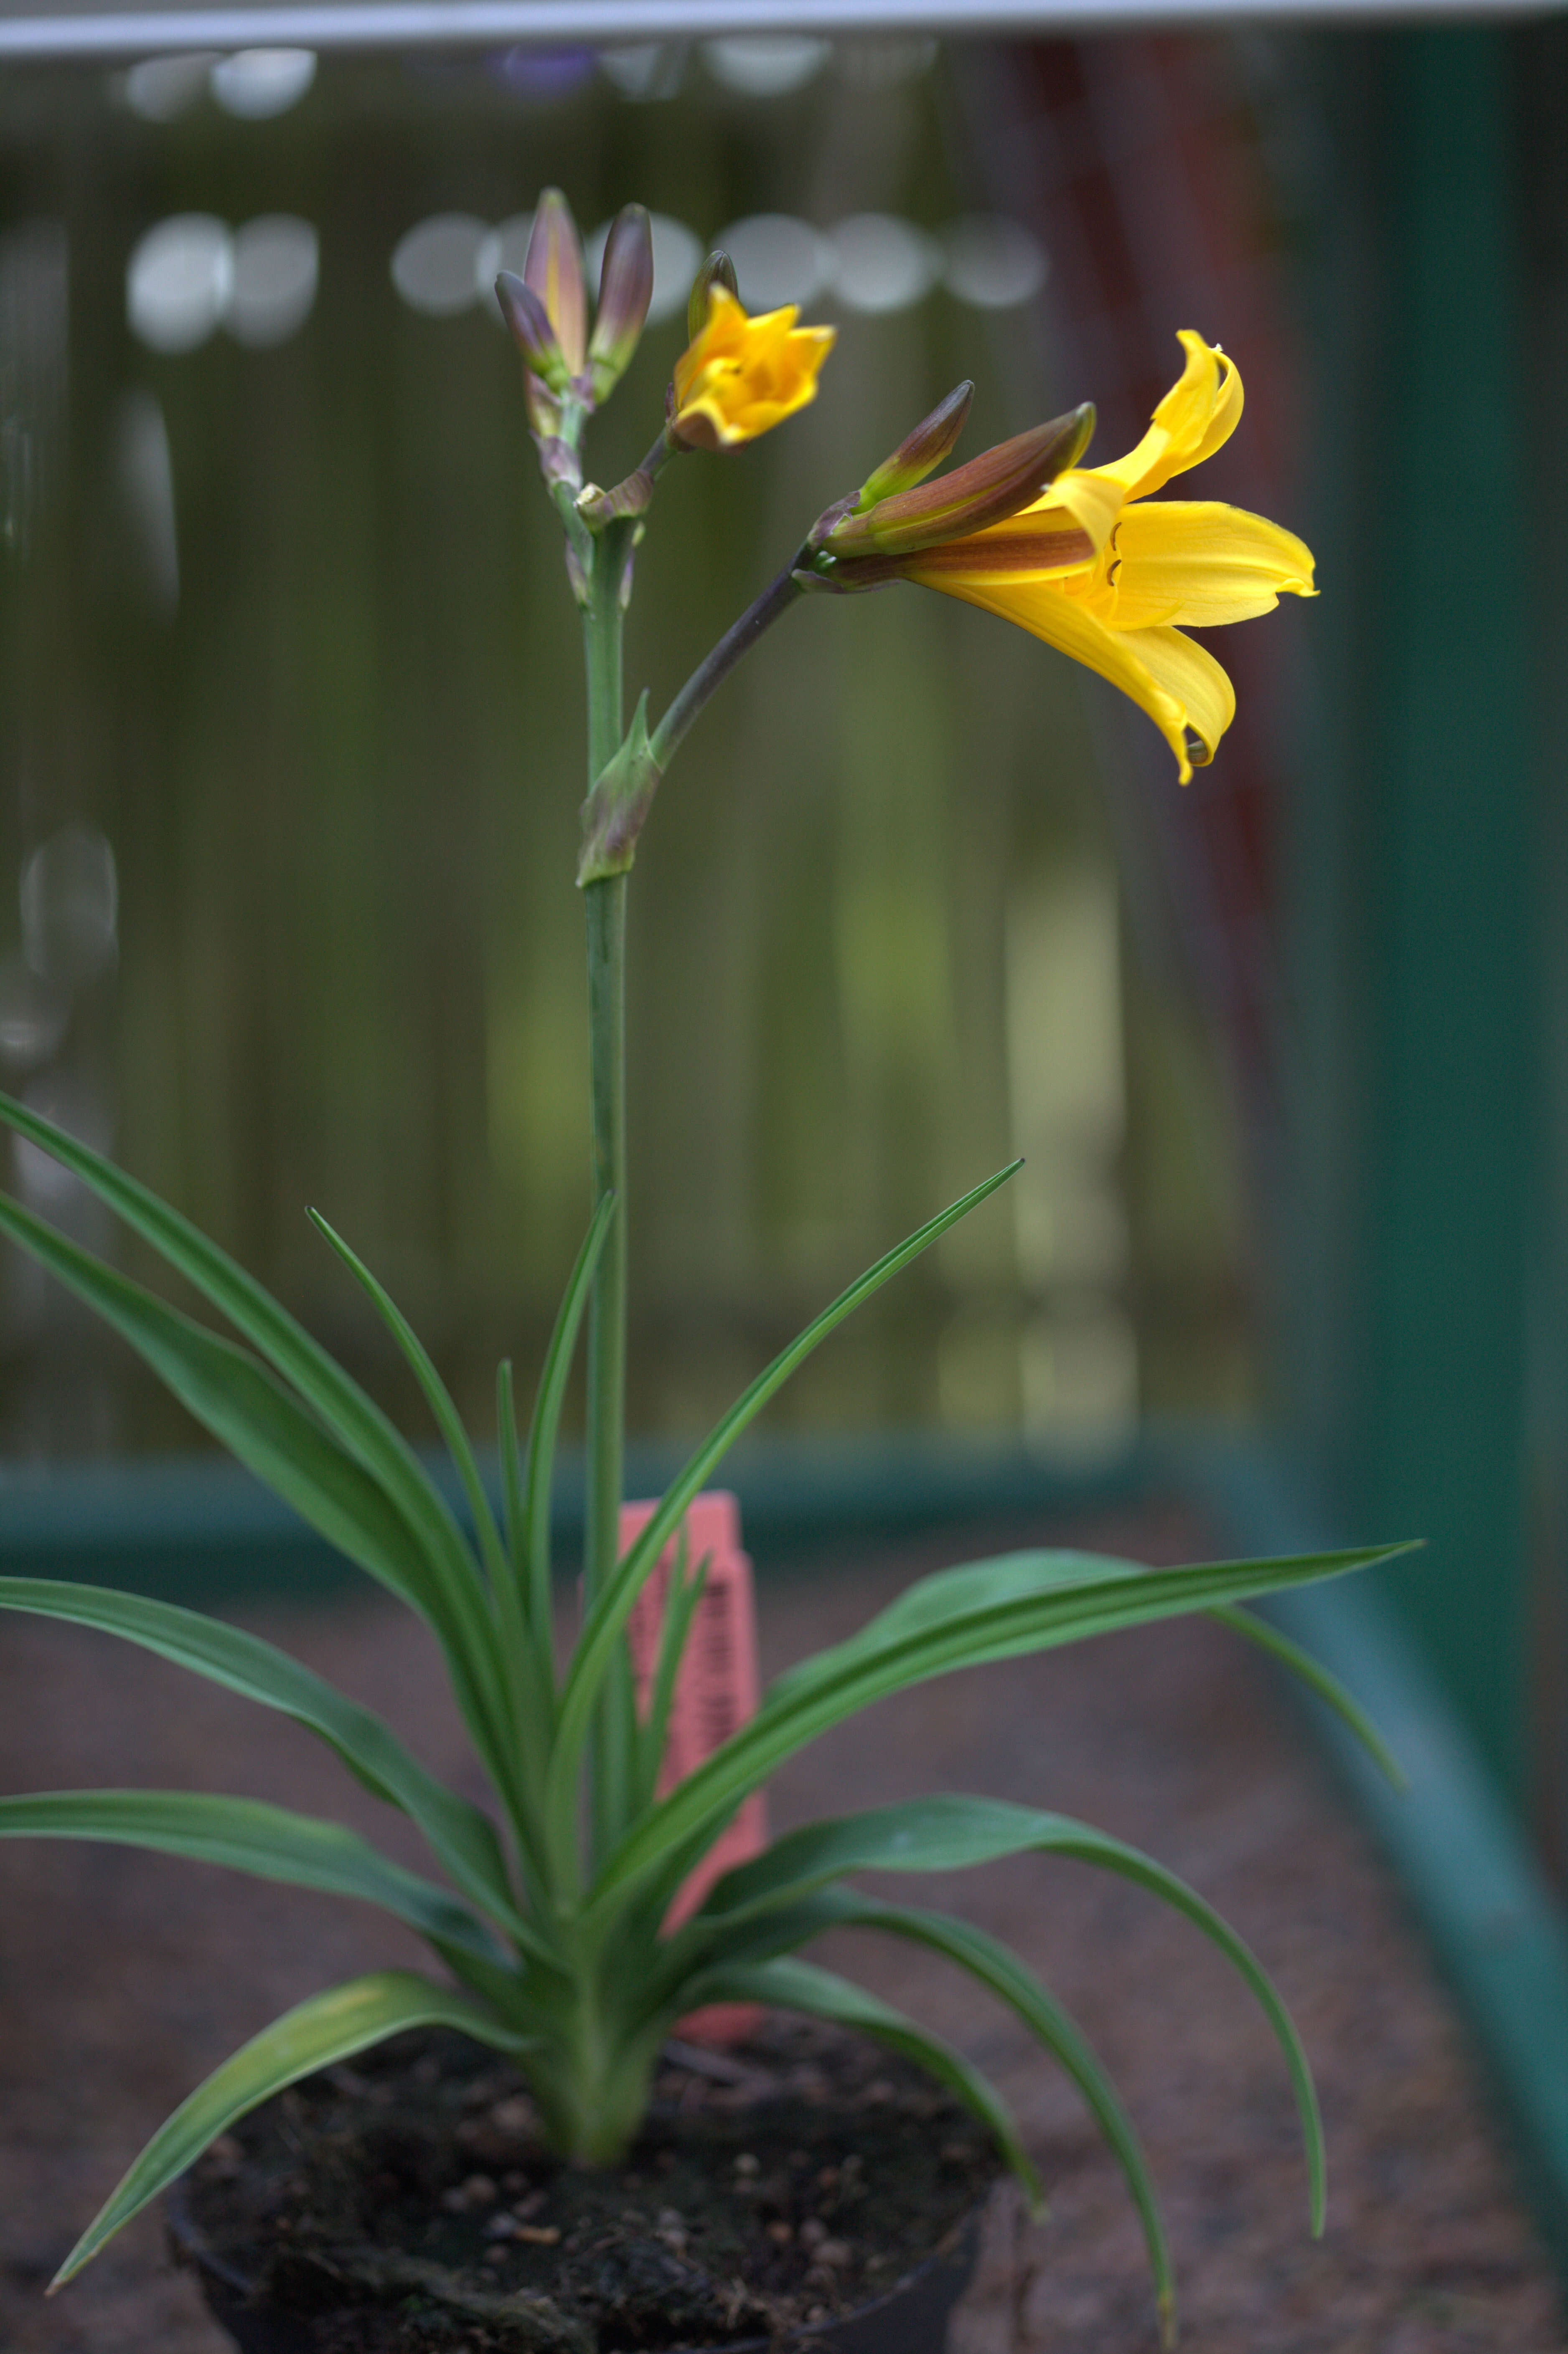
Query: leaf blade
{"points": [[949, 1831], [250, 1835], [945, 1832], [1002, 1972], [544, 1427], [326, 2028], [1024, 1623], [457, 1832], [611, 1608], [260, 1421], [1328, 1687], [437, 1396], [790, 1985], [279, 1338]]}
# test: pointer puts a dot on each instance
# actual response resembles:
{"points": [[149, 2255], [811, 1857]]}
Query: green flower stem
{"points": [[711, 674], [605, 904]]}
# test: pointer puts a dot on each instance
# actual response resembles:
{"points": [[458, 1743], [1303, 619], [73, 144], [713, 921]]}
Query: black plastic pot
{"points": [[912, 2318]]}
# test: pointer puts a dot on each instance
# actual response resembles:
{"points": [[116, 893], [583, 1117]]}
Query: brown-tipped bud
{"points": [[553, 266], [625, 291], [920, 452], [987, 490], [532, 332], [718, 269]]}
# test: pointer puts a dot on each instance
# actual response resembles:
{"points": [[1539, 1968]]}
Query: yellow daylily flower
{"points": [[740, 376], [1108, 580]]}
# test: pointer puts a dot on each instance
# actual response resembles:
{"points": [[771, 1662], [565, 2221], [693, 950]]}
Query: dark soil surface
{"points": [[773, 2186], [125, 1978]]}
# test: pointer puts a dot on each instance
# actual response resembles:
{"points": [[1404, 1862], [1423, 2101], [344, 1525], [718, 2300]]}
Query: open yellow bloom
{"points": [[1108, 580], [740, 376]]}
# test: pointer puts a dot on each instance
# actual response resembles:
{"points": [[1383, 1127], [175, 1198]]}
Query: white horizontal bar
{"points": [[89, 31]]}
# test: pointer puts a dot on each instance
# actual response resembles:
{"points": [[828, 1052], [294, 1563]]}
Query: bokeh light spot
{"points": [[993, 262], [178, 282], [765, 65], [777, 260], [276, 266], [881, 263], [436, 267], [257, 84]]}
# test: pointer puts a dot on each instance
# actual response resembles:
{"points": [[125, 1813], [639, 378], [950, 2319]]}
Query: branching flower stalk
{"points": [[548, 1918]]}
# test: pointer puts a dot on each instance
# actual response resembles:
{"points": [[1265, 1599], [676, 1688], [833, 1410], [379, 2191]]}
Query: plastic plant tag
{"points": [[716, 1693]]}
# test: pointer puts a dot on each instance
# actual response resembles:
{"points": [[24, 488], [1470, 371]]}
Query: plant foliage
{"points": [[552, 1936]]}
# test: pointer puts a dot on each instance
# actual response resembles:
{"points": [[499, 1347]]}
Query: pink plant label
{"points": [[716, 1691]]}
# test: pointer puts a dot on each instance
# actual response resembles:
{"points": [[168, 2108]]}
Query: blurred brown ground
{"points": [[124, 1978]]}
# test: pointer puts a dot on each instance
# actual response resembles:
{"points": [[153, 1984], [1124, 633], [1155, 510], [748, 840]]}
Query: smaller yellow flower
{"points": [[740, 376]]}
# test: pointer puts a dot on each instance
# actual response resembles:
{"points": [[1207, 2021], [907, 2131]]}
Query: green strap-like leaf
{"points": [[682, 1601], [951, 1593], [327, 2028], [1319, 1679], [790, 1985], [438, 1397], [510, 1466], [545, 1429], [949, 1832], [247, 1835], [519, 1670], [458, 1834], [262, 1422], [855, 1673], [951, 1596], [355, 1419], [1000, 1971], [611, 1608]]}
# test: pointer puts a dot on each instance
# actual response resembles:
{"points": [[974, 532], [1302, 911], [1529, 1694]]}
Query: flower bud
{"points": [[987, 490], [920, 452], [625, 289], [532, 332], [718, 269], [553, 266], [615, 810]]}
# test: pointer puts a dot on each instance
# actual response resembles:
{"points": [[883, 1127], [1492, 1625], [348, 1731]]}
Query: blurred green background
{"points": [[285, 626]]}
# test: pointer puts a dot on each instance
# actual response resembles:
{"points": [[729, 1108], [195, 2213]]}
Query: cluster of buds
{"points": [[898, 516], [547, 310]]}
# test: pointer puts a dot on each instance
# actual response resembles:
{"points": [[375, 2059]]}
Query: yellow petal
{"points": [[1179, 685], [1200, 412], [1093, 499], [1190, 676], [1198, 562]]}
